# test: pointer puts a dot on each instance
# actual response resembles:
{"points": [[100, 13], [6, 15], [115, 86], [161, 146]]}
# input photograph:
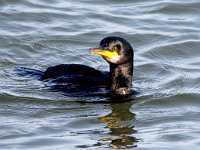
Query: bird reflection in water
{"points": [[120, 124]]}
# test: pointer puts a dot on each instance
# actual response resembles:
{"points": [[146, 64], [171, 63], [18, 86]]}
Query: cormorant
{"points": [[115, 50]]}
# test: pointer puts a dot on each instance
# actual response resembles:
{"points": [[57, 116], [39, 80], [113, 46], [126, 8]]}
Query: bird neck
{"points": [[121, 78]]}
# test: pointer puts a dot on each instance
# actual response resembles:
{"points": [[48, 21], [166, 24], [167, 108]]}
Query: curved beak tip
{"points": [[91, 51]]}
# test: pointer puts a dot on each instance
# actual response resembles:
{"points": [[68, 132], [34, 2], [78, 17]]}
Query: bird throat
{"points": [[121, 78]]}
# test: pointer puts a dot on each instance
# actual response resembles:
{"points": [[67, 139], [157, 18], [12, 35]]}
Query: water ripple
{"points": [[38, 34]]}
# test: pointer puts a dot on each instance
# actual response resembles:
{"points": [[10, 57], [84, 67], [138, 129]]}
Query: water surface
{"points": [[165, 35]]}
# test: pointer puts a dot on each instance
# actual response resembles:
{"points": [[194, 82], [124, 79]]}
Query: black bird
{"points": [[115, 50]]}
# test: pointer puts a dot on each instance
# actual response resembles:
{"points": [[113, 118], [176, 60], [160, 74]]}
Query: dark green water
{"points": [[165, 35]]}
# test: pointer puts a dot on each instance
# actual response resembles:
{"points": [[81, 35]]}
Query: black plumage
{"points": [[76, 77]]}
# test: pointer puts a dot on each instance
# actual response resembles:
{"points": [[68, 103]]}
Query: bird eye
{"points": [[115, 49]]}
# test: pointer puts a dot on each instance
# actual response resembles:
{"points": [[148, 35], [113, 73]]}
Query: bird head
{"points": [[114, 50]]}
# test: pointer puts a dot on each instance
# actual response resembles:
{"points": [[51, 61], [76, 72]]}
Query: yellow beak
{"points": [[104, 53]]}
